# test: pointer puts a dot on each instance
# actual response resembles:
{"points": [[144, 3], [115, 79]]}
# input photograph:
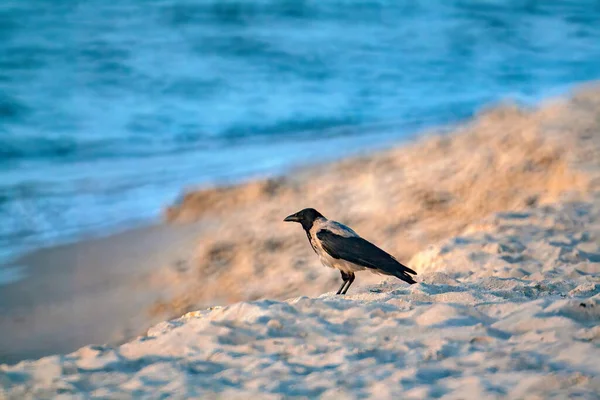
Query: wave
{"points": [[10, 108], [69, 149]]}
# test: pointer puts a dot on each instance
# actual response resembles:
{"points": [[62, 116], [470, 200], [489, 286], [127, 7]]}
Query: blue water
{"points": [[108, 109]]}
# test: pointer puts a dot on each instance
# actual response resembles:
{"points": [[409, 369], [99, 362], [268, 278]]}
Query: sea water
{"points": [[109, 109]]}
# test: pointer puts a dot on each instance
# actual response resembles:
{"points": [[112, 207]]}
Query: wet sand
{"points": [[95, 291]]}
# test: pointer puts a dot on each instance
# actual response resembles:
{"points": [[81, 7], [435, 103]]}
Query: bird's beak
{"points": [[292, 218]]}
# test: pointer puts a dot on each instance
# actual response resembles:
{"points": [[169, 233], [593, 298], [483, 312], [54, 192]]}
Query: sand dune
{"points": [[510, 309], [403, 199]]}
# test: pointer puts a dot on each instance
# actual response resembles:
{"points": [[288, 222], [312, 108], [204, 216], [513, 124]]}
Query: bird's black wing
{"points": [[362, 252]]}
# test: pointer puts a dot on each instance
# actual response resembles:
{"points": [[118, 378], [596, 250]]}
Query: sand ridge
{"points": [[403, 199]]}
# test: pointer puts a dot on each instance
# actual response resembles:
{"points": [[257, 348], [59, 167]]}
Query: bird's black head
{"points": [[305, 217]]}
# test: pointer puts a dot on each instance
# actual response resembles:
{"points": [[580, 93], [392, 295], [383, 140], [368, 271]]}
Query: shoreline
{"points": [[12, 261], [384, 137], [341, 147], [228, 244]]}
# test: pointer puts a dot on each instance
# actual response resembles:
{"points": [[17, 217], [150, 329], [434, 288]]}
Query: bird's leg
{"points": [[345, 278], [351, 277]]}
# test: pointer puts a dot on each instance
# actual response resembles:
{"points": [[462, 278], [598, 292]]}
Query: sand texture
{"points": [[509, 309]]}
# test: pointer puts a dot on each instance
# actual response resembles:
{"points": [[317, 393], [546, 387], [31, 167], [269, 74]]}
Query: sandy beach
{"points": [[500, 218], [510, 309]]}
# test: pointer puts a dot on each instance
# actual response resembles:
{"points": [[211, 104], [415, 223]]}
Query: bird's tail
{"points": [[406, 278], [403, 273], [404, 267]]}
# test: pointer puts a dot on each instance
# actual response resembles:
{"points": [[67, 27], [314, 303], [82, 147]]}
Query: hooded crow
{"points": [[340, 247]]}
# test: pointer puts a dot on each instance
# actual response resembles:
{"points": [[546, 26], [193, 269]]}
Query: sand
{"points": [[510, 309], [98, 291], [403, 199], [499, 217]]}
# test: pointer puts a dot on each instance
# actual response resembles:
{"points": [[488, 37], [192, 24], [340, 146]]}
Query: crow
{"points": [[340, 247]]}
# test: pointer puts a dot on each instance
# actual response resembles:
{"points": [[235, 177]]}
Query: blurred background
{"points": [[109, 109]]}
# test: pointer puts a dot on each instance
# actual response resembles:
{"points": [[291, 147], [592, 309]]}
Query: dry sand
{"points": [[506, 308], [510, 309]]}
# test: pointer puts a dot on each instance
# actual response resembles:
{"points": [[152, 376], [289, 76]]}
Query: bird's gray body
{"points": [[326, 258]]}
